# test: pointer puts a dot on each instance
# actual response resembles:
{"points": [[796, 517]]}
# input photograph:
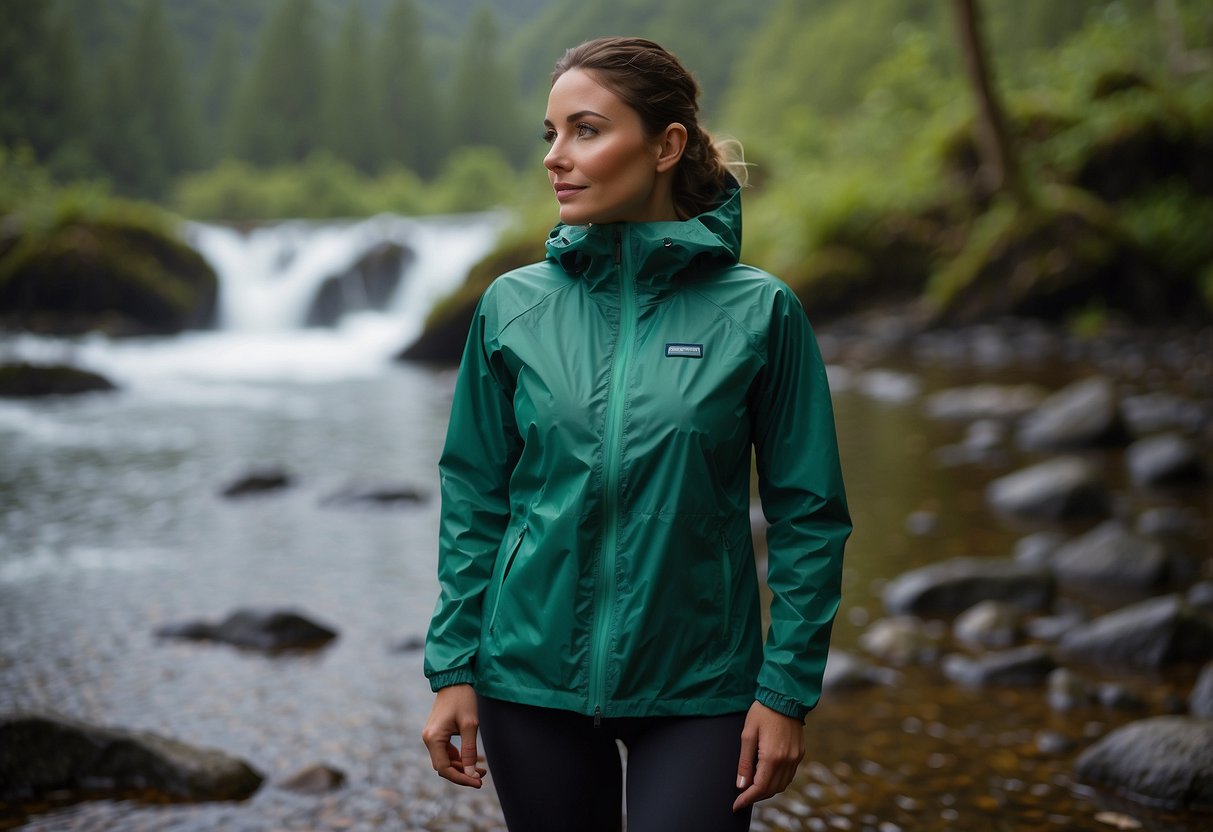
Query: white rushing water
{"points": [[269, 276]]}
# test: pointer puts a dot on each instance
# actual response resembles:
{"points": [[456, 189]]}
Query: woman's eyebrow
{"points": [[579, 114]]}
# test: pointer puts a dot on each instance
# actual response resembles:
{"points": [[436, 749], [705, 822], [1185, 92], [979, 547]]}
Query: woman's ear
{"points": [[672, 143]]}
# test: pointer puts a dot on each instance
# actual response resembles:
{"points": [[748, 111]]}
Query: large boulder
{"points": [[22, 380], [270, 630], [955, 585], [122, 275], [1084, 414], [1166, 459], [1110, 555], [1020, 666], [369, 283], [1164, 761], [1057, 489], [1150, 634], [1200, 700], [44, 752]]}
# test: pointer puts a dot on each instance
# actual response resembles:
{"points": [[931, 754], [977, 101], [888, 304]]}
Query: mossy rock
{"points": [[868, 260], [446, 328], [110, 275], [23, 380], [1054, 260]]}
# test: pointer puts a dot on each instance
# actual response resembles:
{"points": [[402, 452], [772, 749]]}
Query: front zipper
{"points": [[604, 590], [509, 563]]}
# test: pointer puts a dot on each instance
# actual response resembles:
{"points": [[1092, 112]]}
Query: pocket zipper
{"points": [[509, 564]]}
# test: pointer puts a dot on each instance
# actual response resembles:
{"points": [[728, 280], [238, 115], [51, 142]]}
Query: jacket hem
{"points": [[713, 706]]}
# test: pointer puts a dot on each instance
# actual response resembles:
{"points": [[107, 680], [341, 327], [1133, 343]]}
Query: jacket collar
{"points": [[656, 252]]}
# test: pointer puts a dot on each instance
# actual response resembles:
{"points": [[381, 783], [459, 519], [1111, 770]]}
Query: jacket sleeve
{"points": [[800, 482], [481, 450]]}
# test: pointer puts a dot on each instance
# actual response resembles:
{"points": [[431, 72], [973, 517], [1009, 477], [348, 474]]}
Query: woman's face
{"points": [[602, 165]]}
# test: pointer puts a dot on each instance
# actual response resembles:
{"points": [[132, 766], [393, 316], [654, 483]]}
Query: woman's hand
{"points": [[772, 746], [454, 714]]}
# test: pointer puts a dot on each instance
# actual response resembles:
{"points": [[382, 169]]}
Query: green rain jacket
{"points": [[595, 552]]}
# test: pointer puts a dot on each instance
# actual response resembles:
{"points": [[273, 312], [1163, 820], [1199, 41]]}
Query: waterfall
{"points": [[270, 276]]}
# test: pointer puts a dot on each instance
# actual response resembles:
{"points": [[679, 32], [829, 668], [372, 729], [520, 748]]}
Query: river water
{"points": [[112, 524]]}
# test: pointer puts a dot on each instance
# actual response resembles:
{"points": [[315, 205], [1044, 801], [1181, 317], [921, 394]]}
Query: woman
{"points": [[596, 564]]}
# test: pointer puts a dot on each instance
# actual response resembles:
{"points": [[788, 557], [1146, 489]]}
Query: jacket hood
{"points": [[657, 251]]}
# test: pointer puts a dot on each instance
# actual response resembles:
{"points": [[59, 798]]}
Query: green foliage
{"points": [[349, 108]]}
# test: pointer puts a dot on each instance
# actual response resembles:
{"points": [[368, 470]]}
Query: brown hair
{"points": [[662, 91]]}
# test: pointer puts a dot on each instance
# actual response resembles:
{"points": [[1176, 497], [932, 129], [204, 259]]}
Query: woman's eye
{"points": [[548, 135], [585, 131]]}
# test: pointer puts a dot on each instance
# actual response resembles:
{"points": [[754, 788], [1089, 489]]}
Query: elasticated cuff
{"points": [[446, 678], [783, 704]]}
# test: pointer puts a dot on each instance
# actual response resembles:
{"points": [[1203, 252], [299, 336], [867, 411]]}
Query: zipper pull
{"points": [[597, 715]]}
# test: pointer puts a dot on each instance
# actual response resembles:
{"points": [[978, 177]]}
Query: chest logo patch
{"points": [[684, 350]]}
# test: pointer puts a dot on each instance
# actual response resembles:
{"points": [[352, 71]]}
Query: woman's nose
{"points": [[554, 159]]}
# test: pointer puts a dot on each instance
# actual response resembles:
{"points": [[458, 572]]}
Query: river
{"points": [[112, 524]]}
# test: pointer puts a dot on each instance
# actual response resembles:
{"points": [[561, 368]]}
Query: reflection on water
{"points": [[110, 525]]}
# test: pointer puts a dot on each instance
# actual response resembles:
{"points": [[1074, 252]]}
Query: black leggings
{"points": [[555, 771]]}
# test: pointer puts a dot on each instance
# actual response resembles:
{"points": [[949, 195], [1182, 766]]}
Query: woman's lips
{"points": [[564, 191]]}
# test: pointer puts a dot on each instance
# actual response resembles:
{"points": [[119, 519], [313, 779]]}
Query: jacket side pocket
{"points": [[509, 564], [726, 586]]}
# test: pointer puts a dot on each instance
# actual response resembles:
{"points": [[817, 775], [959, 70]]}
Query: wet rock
{"points": [[1021, 666], [1154, 633], [1053, 742], [1165, 761], [315, 779], [1110, 555], [922, 523], [901, 640], [1201, 596], [1053, 627], [258, 481], [1067, 690], [846, 671], [1167, 521], [1118, 697], [374, 496], [40, 752], [256, 629], [1168, 459], [369, 283], [1158, 412], [953, 586], [22, 380], [1037, 549], [989, 624], [409, 644], [1200, 700], [984, 401], [1057, 489], [1085, 414], [888, 385]]}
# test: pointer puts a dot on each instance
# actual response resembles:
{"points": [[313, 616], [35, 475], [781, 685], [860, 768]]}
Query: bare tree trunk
{"points": [[999, 169], [1182, 61]]}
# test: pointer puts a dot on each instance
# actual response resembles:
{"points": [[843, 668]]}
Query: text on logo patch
{"points": [[684, 350]]}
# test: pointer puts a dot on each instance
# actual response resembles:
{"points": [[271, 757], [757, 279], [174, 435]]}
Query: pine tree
{"points": [[279, 110], [219, 94], [351, 128], [42, 101], [403, 88], [163, 121], [485, 108]]}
